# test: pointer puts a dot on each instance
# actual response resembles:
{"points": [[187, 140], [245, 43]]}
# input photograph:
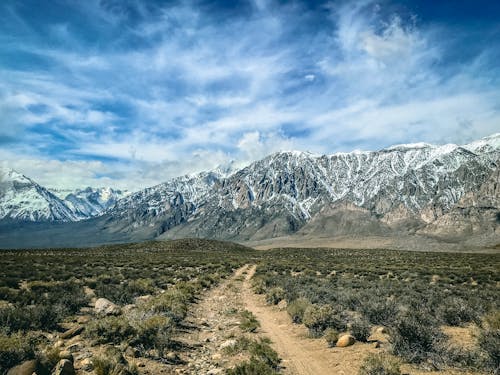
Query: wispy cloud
{"points": [[132, 93]]}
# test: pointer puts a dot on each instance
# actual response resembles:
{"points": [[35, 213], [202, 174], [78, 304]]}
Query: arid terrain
{"points": [[208, 307]]}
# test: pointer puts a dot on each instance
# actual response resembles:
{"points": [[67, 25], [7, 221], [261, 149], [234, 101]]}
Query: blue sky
{"points": [[129, 93]]}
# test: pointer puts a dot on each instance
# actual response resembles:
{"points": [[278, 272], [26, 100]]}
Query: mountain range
{"points": [[414, 193]]}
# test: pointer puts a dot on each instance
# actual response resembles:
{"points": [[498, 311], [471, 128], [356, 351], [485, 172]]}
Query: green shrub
{"points": [[331, 336], [360, 329], [252, 367], [14, 349], [489, 339], [319, 317], [154, 333], [297, 308], [275, 295], [111, 329], [379, 312], [414, 337], [249, 322], [113, 363], [258, 285], [380, 364], [455, 311]]}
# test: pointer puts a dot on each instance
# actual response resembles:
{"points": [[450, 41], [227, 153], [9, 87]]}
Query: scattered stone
{"points": [[172, 357], [345, 340], [66, 354], [25, 368], [76, 347], [83, 319], [215, 371], [142, 299], [72, 332], [282, 305], [132, 352], [59, 344], [64, 367], [228, 344], [104, 306], [86, 365]]}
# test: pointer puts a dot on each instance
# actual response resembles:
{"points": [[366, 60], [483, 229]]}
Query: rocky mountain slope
{"points": [[448, 192], [23, 199], [90, 202]]}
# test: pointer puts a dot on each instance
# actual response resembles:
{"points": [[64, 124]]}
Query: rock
{"points": [[25, 368], [59, 344], [66, 354], [228, 344], [142, 299], [72, 332], [381, 330], [172, 357], [76, 347], [83, 319], [282, 305], [132, 352], [64, 367], [86, 365], [104, 306], [345, 340]]}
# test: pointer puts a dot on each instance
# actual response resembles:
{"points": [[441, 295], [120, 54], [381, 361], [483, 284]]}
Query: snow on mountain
{"points": [[91, 202], [23, 199]]}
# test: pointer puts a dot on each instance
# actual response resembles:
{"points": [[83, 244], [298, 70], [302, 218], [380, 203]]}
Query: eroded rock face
{"points": [[105, 307]]}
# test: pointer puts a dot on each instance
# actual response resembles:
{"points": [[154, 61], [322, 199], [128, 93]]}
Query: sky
{"points": [[130, 93]]}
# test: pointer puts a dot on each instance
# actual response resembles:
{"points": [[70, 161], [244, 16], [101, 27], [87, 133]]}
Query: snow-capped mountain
{"points": [[23, 199], [91, 202], [410, 185], [423, 189]]}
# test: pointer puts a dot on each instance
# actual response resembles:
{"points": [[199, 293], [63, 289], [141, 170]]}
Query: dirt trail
{"points": [[214, 323], [300, 354]]}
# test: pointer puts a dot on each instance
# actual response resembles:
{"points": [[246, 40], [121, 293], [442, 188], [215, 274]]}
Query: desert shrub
{"points": [[249, 322], [379, 312], [261, 351], [173, 302], [258, 285], [360, 329], [331, 336], [34, 317], [154, 332], [380, 364], [455, 311], [275, 295], [297, 308], [414, 337], [319, 317], [113, 363], [251, 367], [489, 339], [14, 349], [111, 329]]}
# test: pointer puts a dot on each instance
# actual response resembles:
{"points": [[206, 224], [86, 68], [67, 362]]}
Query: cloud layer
{"points": [[131, 93]]}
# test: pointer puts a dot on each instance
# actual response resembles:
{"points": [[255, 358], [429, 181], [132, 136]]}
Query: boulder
{"points": [[345, 340], [71, 332], [64, 367], [104, 306], [228, 344], [66, 354], [25, 368]]}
